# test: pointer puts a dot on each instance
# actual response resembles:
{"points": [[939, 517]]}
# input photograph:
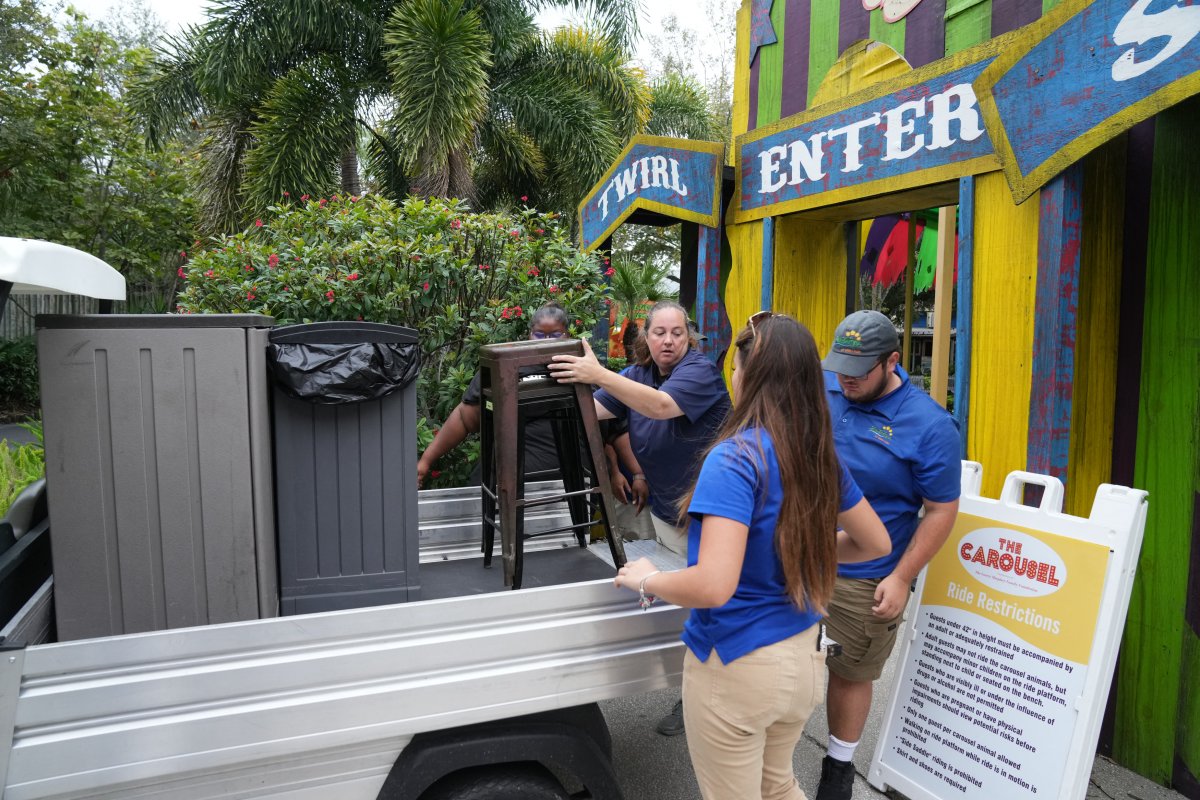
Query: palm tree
{"points": [[679, 108], [278, 92], [451, 97], [633, 285]]}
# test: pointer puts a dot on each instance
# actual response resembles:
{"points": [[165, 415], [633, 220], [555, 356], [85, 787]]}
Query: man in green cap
{"points": [[904, 451]]}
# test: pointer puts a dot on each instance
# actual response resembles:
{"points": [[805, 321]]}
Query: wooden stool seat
{"points": [[515, 386]]}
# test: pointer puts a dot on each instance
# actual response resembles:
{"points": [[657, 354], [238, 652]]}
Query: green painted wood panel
{"points": [[1148, 693], [822, 42], [890, 33], [770, 71], [1187, 743], [968, 23]]}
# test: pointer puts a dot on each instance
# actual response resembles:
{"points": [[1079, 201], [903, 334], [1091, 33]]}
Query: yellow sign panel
{"points": [[1042, 587]]}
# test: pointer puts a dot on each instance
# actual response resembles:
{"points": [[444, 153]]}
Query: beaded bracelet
{"points": [[646, 600]]}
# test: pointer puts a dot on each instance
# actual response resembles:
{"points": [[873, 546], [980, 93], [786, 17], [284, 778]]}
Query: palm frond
{"points": [[634, 283], [163, 95], [384, 160], [250, 42], [439, 54], [616, 20], [591, 64], [510, 163], [220, 185], [570, 127], [509, 23], [679, 107], [305, 124]]}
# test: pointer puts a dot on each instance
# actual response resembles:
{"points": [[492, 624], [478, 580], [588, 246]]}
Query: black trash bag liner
{"points": [[333, 374]]}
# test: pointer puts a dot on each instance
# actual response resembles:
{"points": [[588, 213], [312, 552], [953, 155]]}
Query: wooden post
{"points": [[909, 269], [943, 308]]}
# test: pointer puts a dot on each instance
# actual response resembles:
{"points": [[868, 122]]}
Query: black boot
{"points": [[672, 724], [837, 780]]}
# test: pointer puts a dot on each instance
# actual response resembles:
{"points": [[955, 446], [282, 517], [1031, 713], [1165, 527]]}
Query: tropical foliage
{"points": [[461, 279], [449, 98], [73, 167], [633, 286], [20, 465], [19, 391]]}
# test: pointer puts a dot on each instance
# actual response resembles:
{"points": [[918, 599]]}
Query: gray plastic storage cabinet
{"points": [[345, 467], [158, 467]]}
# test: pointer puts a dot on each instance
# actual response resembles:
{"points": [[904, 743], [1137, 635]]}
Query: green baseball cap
{"points": [[860, 340]]}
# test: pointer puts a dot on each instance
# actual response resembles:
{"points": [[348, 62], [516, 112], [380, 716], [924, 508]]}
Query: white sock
{"points": [[842, 751]]}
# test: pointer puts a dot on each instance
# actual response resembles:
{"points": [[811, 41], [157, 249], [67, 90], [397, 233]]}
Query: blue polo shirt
{"points": [[734, 484], [669, 450], [902, 449]]}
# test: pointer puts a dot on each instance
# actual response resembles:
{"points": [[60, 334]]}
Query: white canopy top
{"points": [[36, 267]]}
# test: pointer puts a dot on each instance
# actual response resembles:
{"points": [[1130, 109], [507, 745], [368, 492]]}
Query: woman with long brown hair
{"points": [[763, 542]]}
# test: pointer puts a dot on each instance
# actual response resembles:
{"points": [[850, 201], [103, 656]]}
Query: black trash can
{"points": [[345, 444]]}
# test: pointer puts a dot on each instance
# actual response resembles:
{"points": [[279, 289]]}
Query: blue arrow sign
{"points": [[680, 178], [1083, 74]]}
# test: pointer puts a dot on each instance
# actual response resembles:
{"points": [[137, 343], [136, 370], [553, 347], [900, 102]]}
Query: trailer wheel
{"points": [[501, 782]]}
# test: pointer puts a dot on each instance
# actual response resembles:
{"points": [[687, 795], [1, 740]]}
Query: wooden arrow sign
{"points": [[1087, 71]]}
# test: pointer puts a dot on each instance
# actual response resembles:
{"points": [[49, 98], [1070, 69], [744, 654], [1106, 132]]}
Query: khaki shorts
{"points": [[866, 640]]}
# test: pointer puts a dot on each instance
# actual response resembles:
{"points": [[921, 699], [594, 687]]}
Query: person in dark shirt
{"points": [[674, 404], [541, 455]]}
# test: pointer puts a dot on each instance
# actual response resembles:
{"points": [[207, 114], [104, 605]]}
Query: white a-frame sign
{"points": [[1010, 648]]}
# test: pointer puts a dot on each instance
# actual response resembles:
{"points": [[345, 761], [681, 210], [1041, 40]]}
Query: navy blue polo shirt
{"points": [[669, 450], [738, 483], [902, 449]]}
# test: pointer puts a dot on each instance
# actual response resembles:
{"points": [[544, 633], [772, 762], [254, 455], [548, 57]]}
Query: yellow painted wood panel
{"points": [[863, 64], [743, 288], [741, 80], [810, 274], [1089, 460], [1006, 240]]}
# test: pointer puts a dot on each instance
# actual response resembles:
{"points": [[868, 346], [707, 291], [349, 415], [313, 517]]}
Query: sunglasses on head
{"points": [[758, 318]]}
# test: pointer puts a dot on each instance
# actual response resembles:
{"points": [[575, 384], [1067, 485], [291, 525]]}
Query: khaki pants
{"points": [[632, 526], [669, 536], [744, 718]]}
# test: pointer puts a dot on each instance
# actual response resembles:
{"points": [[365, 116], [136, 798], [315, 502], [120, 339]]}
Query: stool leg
{"points": [[586, 411], [508, 451], [487, 482], [518, 538], [566, 441]]}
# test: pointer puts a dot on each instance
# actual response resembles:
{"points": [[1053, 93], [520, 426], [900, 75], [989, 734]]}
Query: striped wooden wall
{"points": [[1125, 398], [1157, 685], [1005, 270], [1089, 459], [743, 287], [810, 274]]}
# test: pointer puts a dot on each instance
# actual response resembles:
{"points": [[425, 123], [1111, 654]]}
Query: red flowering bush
{"points": [[460, 279]]}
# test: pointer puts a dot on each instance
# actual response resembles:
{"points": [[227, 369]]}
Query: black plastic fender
{"points": [[574, 740]]}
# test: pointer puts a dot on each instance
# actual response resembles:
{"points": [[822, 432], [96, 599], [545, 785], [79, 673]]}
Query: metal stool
{"points": [[514, 386]]}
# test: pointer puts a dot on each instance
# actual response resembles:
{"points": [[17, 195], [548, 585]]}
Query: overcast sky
{"points": [[175, 14]]}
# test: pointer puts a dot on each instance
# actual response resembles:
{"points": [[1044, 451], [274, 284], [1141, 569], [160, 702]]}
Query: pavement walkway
{"points": [[654, 767], [15, 435]]}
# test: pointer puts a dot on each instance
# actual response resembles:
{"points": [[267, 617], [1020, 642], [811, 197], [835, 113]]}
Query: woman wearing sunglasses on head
{"points": [[674, 402], [763, 519], [541, 455]]}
